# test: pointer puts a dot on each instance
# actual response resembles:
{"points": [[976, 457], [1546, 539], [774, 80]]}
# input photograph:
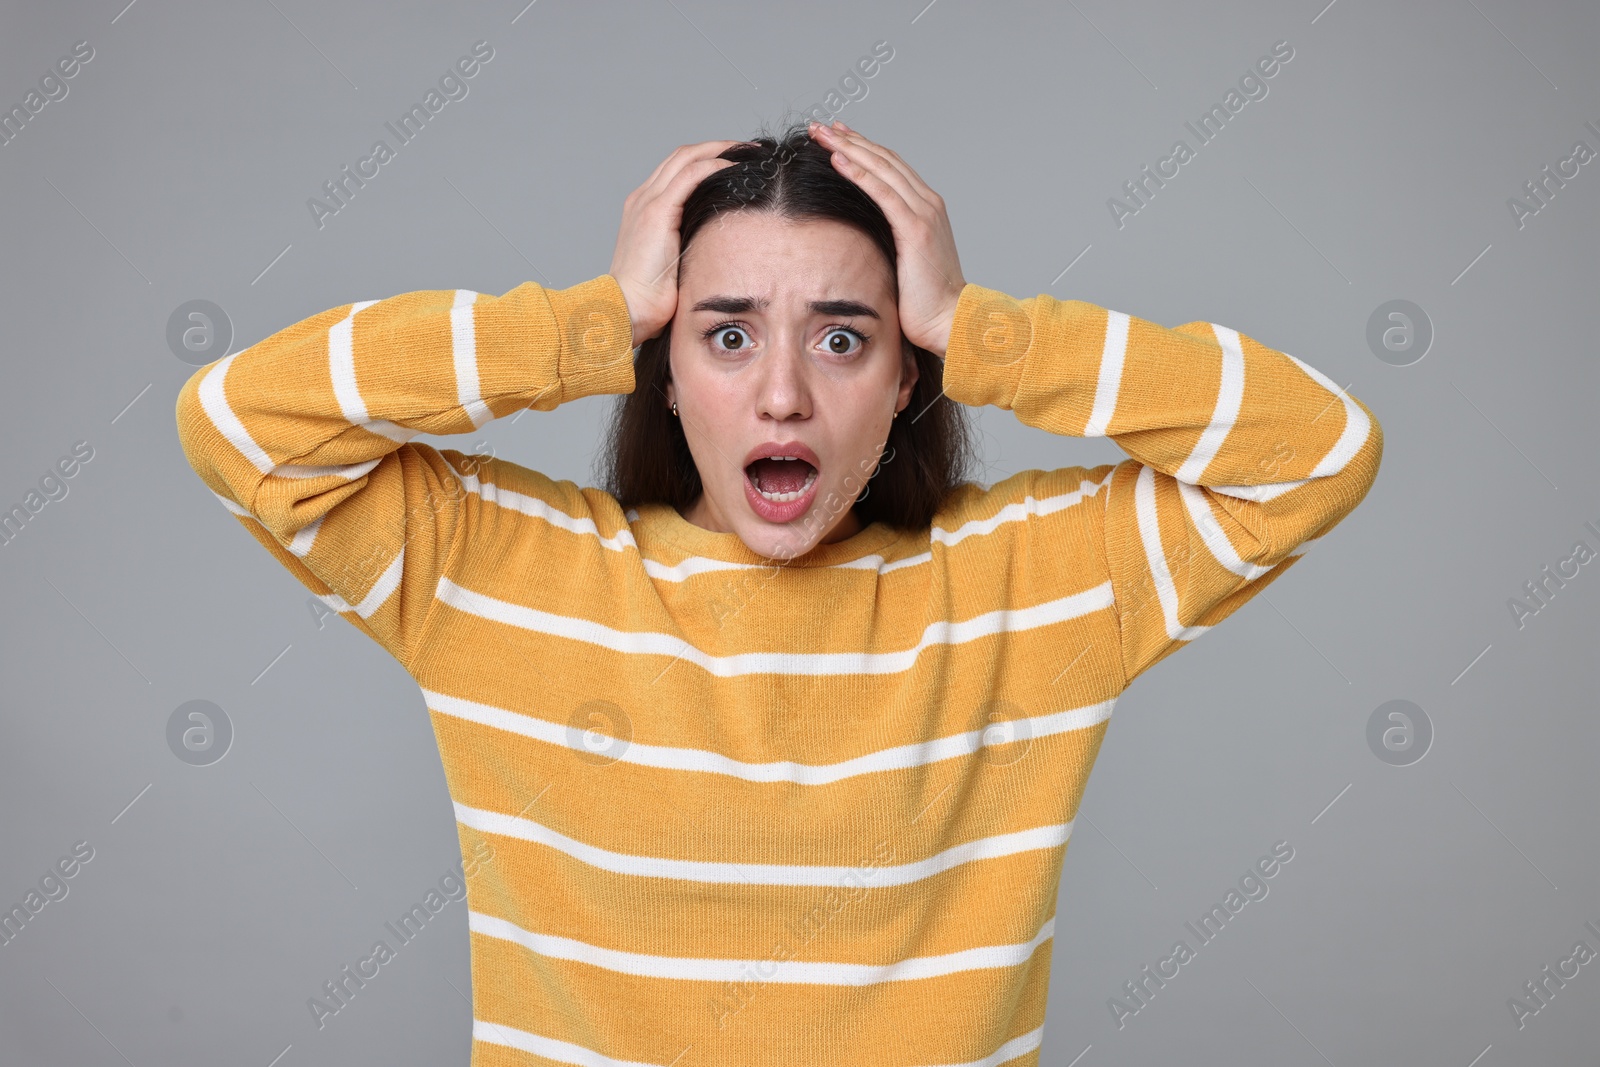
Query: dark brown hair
{"points": [[646, 456]]}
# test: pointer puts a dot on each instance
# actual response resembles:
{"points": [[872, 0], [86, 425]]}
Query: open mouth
{"points": [[781, 479]]}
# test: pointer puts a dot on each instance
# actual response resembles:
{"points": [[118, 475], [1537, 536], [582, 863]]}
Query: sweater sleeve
{"points": [[1240, 454], [305, 436]]}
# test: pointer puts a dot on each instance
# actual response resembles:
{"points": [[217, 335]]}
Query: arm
{"points": [[305, 436], [1240, 453]]}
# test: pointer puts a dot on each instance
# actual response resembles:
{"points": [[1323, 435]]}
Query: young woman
{"points": [[769, 753]]}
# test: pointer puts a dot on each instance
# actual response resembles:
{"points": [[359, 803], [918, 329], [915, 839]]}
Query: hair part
{"points": [[646, 457]]}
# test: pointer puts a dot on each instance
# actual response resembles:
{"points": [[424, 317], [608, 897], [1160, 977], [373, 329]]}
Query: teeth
{"points": [[784, 498]]}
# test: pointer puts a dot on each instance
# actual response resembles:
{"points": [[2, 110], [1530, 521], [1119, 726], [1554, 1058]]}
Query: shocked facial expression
{"points": [[786, 343]]}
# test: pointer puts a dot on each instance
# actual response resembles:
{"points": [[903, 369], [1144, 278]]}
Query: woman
{"points": [[772, 760]]}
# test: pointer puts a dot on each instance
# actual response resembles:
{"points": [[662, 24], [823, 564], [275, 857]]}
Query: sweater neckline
{"points": [[664, 521]]}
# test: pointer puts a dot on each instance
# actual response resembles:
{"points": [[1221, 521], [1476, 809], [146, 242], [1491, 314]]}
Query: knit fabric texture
{"points": [[728, 810]]}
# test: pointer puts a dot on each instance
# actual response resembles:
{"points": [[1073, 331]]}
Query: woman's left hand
{"points": [[929, 271]]}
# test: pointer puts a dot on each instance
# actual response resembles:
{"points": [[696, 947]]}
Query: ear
{"points": [[909, 373], [665, 372]]}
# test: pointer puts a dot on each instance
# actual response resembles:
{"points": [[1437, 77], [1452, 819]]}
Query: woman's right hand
{"points": [[646, 258]]}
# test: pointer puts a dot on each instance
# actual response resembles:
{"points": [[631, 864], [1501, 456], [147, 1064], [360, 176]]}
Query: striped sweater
{"points": [[725, 811]]}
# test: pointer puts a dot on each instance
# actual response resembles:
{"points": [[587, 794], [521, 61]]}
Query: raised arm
{"points": [[305, 436], [1240, 453]]}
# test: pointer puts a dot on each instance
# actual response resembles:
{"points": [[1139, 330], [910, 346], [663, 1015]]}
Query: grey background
{"points": [[1378, 167]]}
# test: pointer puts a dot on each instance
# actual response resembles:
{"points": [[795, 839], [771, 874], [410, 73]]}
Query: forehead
{"points": [[746, 253]]}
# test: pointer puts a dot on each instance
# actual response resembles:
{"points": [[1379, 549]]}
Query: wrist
{"points": [[991, 334], [630, 301], [595, 355], [939, 333]]}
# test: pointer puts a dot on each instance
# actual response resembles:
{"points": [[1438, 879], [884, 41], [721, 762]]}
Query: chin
{"points": [[781, 547], [785, 529], [777, 542]]}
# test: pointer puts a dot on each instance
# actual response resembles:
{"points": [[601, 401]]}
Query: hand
{"points": [[646, 258], [929, 270]]}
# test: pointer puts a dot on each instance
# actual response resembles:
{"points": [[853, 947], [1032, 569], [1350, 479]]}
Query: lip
{"points": [[783, 448], [793, 509]]}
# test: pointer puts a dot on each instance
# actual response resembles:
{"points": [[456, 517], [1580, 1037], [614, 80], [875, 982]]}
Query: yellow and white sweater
{"points": [[749, 814]]}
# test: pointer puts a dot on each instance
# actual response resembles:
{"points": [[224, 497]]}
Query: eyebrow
{"points": [[739, 305]]}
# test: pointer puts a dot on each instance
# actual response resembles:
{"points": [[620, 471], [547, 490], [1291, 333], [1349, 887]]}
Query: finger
{"points": [[682, 150], [693, 173], [681, 157], [902, 225], [866, 154], [663, 212], [659, 168], [685, 179], [871, 162], [899, 211], [892, 158], [857, 135]]}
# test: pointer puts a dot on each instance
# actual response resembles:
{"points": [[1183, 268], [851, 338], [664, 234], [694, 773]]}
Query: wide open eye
{"points": [[728, 338], [842, 341]]}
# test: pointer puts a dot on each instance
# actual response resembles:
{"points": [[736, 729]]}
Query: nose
{"points": [[783, 390]]}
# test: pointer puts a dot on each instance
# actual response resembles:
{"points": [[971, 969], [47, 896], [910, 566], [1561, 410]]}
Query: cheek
{"points": [[859, 436], [708, 404]]}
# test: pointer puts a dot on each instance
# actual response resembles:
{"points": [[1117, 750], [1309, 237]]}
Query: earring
{"points": [[674, 407]]}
